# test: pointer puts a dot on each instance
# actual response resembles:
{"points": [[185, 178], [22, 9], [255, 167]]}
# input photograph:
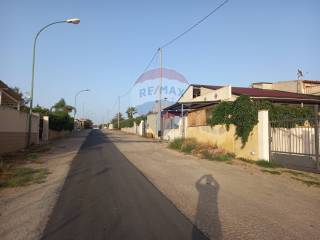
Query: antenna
{"points": [[300, 74]]}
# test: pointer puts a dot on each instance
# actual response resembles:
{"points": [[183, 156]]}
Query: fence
{"points": [[135, 129], [295, 142]]}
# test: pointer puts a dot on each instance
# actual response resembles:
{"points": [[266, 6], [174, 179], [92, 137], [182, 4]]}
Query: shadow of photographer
{"points": [[207, 214]]}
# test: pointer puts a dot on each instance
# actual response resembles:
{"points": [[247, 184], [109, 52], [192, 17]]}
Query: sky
{"points": [[245, 41]]}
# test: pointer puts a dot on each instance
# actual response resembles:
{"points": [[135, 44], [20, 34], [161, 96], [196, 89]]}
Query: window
{"points": [[196, 92]]}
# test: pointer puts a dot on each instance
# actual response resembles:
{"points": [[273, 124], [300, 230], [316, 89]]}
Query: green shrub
{"points": [[188, 145], [176, 144], [60, 122], [243, 114], [224, 157]]}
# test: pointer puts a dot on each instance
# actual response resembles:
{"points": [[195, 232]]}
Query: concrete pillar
{"points": [[45, 129], [185, 126], [263, 134], [134, 128], [141, 127]]}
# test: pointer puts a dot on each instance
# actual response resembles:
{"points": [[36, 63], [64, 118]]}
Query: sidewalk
{"points": [[226, 201], [24, 211]]}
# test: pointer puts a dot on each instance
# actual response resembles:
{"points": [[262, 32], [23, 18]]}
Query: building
{"points": [[9, 97], [296, 86], [198, 100], [194, 108], [14, 123]]}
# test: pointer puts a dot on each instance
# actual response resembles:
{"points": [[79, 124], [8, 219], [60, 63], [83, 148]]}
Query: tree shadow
{"points": [[207, 215]]}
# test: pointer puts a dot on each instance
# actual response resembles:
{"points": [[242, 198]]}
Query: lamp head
{"points": [[73, 20]]}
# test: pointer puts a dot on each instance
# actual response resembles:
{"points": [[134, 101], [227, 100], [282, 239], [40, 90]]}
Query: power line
{"points": [[194, 25], [151, 61], [175, 39], [145, 69]]}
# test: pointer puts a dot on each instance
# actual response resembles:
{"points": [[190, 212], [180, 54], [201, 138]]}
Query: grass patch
{"points": [[10, 160], [17, 177], [206, 151], [265, 164], [176, 144], [31, 156], [260, 163], [221, 156], [307, 182], [298, 174], [188, 145], [271, 171]]}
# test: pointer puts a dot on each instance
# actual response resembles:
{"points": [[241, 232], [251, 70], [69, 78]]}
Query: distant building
{"points": [[311, 87], [82, 123]]}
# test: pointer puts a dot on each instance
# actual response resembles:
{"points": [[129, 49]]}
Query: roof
{"points": [[262, 83], [10, 91], [177, 107], [274, 95], [311, 81]]}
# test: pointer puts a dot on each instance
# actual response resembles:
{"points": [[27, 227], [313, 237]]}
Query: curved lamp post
{"points": [[71, 20], [75, 102]]}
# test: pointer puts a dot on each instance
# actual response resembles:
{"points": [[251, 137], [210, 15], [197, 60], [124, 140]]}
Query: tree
{"points": [[61, 107], [41, 110], [25, 99], [59, 116], [131, 111]]}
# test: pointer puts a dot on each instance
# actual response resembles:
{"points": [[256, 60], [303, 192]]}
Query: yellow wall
{"points": [[218, 135]]}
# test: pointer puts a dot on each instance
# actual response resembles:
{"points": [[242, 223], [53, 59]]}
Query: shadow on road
{"points": [[207, 215]]}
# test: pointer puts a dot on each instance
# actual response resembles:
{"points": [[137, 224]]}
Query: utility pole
{"points": [[316, 134], [160, 94], [182, 122], [118, 112]]}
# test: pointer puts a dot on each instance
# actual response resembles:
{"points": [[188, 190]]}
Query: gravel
{"points": [[24, 211]]}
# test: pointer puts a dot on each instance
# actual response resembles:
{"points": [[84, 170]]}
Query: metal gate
{"points": [[294, 143]]}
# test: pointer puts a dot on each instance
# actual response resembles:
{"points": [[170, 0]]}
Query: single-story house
{"points": [[198, 100], [9, 97]]}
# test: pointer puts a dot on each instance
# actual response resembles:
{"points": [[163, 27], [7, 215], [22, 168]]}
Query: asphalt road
{"points": [[106, 197]]}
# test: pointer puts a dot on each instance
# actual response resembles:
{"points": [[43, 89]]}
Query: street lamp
{"points": [[75, 101], [71, 20]]}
